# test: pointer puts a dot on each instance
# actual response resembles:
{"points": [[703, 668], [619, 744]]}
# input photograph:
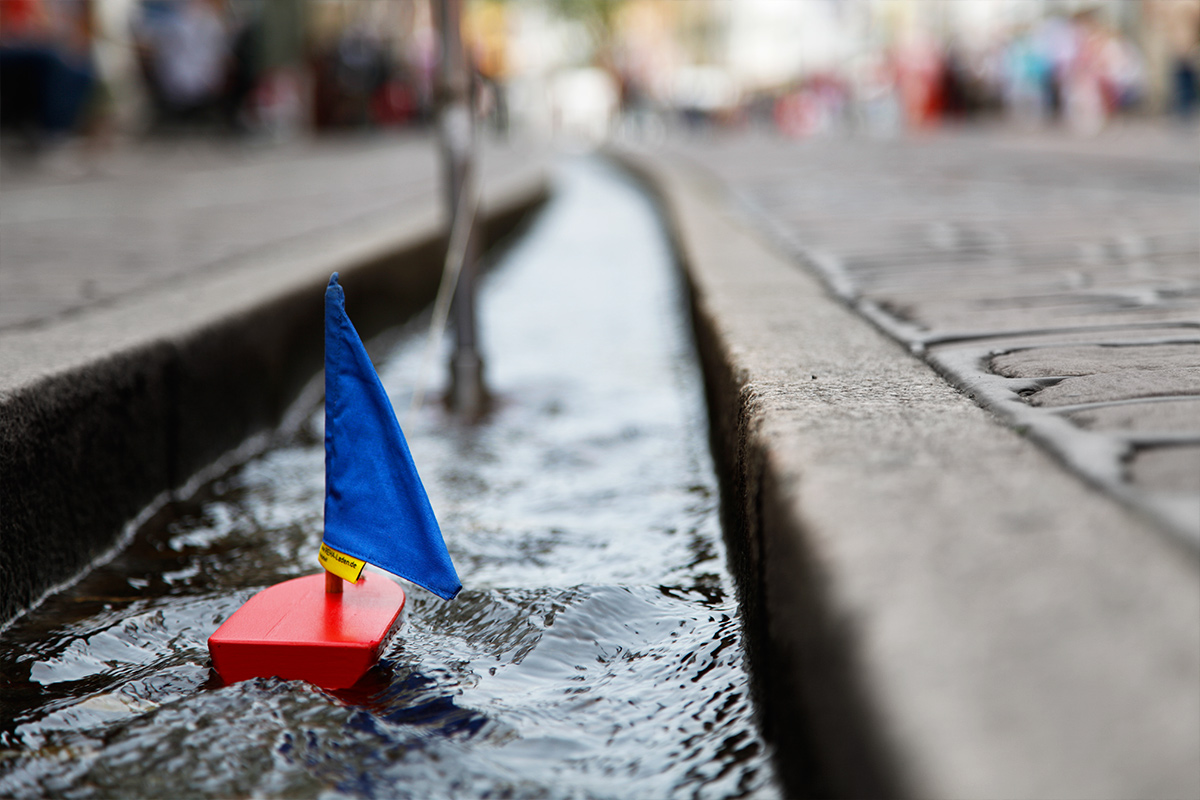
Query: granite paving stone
{"points": [[1008, 245]]}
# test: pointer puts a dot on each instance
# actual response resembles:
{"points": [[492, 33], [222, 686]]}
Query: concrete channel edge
{"points": [[934, 608], [104, 414]]}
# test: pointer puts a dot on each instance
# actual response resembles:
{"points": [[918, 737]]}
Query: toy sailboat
{"points": [[328, 628]]}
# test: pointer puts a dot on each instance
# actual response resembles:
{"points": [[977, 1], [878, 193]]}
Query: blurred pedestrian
{"points": [[1125, 72], [48, 77], [1027, 70], [1055, 39], [919, 71], [1084, 102], [1183, 32], [191, 50]]}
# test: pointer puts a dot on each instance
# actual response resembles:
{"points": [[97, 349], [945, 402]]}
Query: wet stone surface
{"points": [[596, 649], [1083, 360], [1172, 468], [1140, 417], [1119, 385], [1045, 277]]}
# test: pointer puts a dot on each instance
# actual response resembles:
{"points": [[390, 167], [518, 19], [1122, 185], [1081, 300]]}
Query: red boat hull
{"points": [[297, 631]]}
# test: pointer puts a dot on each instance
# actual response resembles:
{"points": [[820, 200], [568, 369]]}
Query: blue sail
{"points": [[376, 509]]}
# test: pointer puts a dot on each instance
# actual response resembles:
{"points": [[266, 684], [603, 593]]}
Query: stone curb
{"points": [[103, 412], [935, 609]]}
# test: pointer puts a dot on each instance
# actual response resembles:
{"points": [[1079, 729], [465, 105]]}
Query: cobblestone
{"points": [[1070, 268]]}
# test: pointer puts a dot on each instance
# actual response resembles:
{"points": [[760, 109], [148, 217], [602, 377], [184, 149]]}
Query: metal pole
{"points": [[456, 132]]}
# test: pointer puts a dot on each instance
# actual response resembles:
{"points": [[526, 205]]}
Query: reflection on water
{"points": [[594, 653]]}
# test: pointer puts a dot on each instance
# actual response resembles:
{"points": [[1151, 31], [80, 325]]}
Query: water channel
{"points": [[595, 651]]}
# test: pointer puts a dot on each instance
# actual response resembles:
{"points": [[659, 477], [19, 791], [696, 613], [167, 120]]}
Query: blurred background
{"points": [[100, 70], [142, 141]]}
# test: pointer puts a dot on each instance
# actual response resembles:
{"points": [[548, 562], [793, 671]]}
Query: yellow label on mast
{"points": [[348, 568]]}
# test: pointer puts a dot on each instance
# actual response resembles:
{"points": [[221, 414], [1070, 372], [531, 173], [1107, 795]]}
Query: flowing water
{"points": [[595, 651]]}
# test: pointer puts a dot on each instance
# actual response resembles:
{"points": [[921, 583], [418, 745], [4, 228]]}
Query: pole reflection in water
{"points": [[595, 652]]}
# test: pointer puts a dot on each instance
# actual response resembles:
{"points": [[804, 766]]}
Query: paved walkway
{"points": [[154, 212], [1055, 280]]}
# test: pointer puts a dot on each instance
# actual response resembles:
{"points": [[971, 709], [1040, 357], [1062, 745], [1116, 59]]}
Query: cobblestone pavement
{"points": [[73, 239], [1055, 281]]}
